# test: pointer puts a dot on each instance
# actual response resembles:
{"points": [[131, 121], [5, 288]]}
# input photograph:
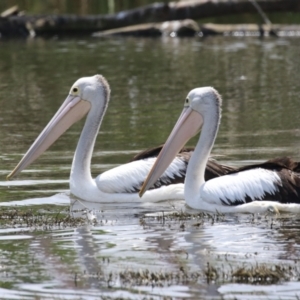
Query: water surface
{"points": [[49, 248]]}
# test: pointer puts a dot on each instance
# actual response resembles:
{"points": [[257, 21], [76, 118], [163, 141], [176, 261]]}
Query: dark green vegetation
{"points": [[80, 7]]}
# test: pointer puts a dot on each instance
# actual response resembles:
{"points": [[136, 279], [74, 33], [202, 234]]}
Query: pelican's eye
{"points": [[187, 101], [75, 90]]}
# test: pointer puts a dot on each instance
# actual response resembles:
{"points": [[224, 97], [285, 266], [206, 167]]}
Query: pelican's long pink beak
{"points": [[188, 124], [71, 111]]}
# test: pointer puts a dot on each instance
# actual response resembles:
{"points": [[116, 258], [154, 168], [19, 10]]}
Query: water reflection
{"points": [[112, 253], [150, 78]]}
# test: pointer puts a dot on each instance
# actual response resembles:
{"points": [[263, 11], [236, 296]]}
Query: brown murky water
{"points": [[49, 249]]}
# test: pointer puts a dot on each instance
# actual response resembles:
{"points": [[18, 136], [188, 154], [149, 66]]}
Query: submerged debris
{"points": [[158, 278], [180, 216], [38, 218], [252, 274], [262, 274], [184, 220]]}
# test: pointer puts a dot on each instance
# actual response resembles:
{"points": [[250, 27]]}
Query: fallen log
{"points": [[169, 28], [12, 11], [157, 12], [14, 28], [250, 30], [191, 28]]}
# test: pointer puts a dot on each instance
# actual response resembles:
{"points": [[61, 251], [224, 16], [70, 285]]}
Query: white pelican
{"points": [[274, 184], [90, 96]]}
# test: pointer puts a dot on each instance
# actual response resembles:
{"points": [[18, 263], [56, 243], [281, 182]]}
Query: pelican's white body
{"points": [[120, 184], [225, 194], [90, 95]]}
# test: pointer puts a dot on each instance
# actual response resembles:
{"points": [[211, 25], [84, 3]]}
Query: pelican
{"points": [[273, 185], [90, 96]]}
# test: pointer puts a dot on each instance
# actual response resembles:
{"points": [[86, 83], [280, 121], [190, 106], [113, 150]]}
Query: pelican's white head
{"points": [[92, 89], [86, 93], [201, 104], [204, 100]]}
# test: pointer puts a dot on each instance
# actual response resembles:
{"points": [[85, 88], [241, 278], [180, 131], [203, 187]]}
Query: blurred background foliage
{"points": [[81, 7]]}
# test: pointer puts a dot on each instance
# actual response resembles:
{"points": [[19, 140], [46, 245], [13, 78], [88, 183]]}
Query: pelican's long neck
{"points": [[197, 164], [81, 177]]}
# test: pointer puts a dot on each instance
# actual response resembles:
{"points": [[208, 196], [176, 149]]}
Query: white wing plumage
{"points": [[129, 177], [240, 187]]}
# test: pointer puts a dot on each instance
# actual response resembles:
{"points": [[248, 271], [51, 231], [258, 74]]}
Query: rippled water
{"points": [[50, 249]]}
